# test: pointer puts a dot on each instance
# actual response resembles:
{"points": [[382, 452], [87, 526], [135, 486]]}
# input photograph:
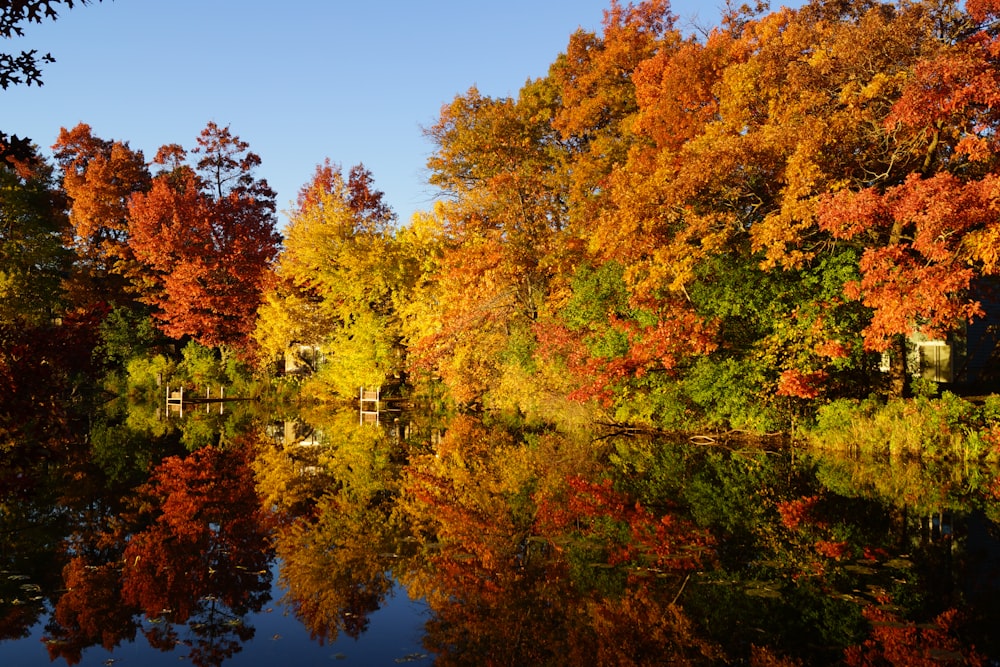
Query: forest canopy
{"points": [[725, 228]]}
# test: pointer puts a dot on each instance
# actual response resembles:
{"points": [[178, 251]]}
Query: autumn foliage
{"points": [[776, 203], [207, 235], [719, 228]]}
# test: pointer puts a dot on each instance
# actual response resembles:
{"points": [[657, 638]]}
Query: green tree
{"points": [[32, 256]]}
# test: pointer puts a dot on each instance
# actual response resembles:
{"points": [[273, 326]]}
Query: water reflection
{"points": [[527, 546]]}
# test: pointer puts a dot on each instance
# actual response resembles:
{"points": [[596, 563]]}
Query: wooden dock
{"points": [[177, 399], [369, 405]]}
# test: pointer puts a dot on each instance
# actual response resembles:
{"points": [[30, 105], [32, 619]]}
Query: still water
{"points": [[312, 538], [392, 638]]}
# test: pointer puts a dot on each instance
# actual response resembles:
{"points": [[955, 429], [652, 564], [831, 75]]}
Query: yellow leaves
{"points": [[984, 247], [881, 86]]}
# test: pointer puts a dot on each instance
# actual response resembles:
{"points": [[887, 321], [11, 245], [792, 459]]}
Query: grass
{"points": [[945, 427]]}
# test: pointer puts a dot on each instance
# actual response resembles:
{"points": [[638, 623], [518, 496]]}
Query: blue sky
{"points": [[299, 80]]}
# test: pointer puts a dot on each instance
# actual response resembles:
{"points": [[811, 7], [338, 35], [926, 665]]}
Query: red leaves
{"points": [[666, 541], [981, 10], [208, 239], [659, 347], [208, 536], [953, 95], [90, 611], [833, 549], [918, 276], [795, 513], [895, 641], [798, 384]]}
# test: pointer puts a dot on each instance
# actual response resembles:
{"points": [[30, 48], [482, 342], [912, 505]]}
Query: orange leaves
{"points": [[675, 89], [848, 213], [99, 177], [594, 91], [809, 144], [795, 383], [982, 9]]}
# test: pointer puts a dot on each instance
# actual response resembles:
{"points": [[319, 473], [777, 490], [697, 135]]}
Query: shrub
{"points": [[942, 427]]}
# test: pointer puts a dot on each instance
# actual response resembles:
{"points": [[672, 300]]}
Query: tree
{"points": [[32, 257], [928, 230], [335, 566], [205, 542], [207, 235], [498, 161], [90, 612], [99, 176], [748, 134], [337, 281], [597, 96], [24, 68]]}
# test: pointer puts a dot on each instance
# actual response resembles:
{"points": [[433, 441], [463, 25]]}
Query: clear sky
{"points": [[299, 80]]}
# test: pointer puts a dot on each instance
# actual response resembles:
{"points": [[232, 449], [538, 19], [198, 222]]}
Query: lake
{"points": [[313, 538]]}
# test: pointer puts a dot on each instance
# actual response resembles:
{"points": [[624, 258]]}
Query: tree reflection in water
{"points": [[529, 546], [191, 550]]}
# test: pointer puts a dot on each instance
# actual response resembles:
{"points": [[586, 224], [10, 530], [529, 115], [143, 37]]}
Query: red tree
{"points": [[207, 542], [208, 235]]}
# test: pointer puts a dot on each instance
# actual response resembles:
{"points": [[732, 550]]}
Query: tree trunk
{"points": [[898, 386]]}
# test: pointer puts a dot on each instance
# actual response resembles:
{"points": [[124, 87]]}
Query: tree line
{"points": [[724, 228]]}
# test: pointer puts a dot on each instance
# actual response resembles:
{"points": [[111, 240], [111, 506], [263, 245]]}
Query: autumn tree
{"points": [[335, 566], [525, 178], [597, 93], [497, 161], [927, 224], [90, 612], [99, 176], [514, 528], [721, 215], [337, 282], [339, 536], [207, 235], [205, 541]]}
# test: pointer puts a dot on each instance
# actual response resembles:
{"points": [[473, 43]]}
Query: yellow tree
{"points": [[336, 280]]}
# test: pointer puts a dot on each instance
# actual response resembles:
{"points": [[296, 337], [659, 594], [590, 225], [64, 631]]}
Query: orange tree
{"points": [[801, 190], [99, 176]]}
